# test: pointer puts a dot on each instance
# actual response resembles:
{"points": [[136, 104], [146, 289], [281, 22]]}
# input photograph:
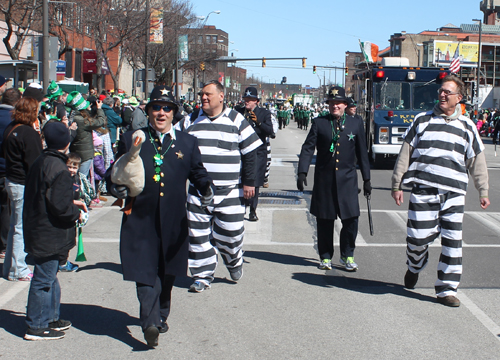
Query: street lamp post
{"points": [[145, 79], [45, 37], [478, 65], [204, 19]]}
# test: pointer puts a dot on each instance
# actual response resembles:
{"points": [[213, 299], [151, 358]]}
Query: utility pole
{"points": [[146, 52], [45, 42], [478, 66]]}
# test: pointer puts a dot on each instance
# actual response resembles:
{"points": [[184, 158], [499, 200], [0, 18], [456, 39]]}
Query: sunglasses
{"points": [[446, 92], [159, 107]]}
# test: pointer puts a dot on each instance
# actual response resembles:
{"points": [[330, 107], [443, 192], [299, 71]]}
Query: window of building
{"points": [[200, 39], [59, 15], [214, 39], [207, 39], [68, 20], [397, 48]]}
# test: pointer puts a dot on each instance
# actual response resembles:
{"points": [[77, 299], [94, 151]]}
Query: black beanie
{"points": [[56, 135]]}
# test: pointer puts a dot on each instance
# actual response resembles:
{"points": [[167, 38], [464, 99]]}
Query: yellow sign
{"points": [[444, 51]]}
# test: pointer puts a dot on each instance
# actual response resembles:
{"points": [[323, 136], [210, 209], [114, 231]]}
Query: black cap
{"points": [[162, 93], [337, 93], [250, 92], [2, 80], [34, 92], [56, 135], [351, 102]]}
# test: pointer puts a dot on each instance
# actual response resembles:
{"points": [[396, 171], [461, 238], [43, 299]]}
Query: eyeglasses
{"points": [[446, 92], [159, 107]]}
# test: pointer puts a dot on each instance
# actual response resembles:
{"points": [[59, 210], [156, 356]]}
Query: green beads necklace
{"points": [[158, 158], [336, 130]]}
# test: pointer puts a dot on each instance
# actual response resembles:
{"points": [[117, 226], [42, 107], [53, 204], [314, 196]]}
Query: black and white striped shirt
{"points": [[222, 142], [440, 151]]}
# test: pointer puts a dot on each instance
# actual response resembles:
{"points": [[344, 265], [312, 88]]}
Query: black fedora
{"points": [[337, 93]]}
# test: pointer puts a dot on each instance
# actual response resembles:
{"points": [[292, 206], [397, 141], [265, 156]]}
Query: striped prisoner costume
{"points": [[442, 151], [268, 163], [227, 145]]}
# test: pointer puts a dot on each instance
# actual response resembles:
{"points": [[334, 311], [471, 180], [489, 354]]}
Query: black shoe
{"points": [[410, 279], [449, 300], [60, 325], [43, 334], [163, 327], [151, 336], [252, 216]]}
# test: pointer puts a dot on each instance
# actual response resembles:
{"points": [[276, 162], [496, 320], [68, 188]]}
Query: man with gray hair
{"points": [[441, 147]]}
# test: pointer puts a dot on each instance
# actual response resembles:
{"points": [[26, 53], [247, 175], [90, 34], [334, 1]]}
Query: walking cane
{"points": [[370, 220]]}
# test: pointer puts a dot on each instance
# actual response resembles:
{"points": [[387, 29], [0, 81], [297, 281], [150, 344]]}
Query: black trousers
{"points": [[347, 241], [4, 214], [253, 201], [282, 123], [155, 301]]}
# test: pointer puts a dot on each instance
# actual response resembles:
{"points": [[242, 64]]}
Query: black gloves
{"points": [[301, 181], [367, 188], [119, 191], [207, 198]]}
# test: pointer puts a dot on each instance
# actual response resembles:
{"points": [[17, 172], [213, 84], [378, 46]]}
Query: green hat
{"points": [[53, 90], [133, 101], [76, 101]]}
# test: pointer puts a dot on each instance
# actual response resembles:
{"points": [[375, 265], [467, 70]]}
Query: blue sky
{"points": [[322, 30]]}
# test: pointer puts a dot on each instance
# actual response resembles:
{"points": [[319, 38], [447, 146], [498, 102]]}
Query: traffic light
{"points": [[264, 62], [346, 71], [303, 62], [202, 66], [314, 69]]}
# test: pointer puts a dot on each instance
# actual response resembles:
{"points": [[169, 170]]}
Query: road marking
{"points": [[15, 289], [247, 241], [480, 315], [485, 220], [278, 162]]}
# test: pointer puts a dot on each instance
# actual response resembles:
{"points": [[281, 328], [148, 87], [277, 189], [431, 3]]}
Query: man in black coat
{"points": [[154, 235], [260, 120], [339, 140], [49, 217]]}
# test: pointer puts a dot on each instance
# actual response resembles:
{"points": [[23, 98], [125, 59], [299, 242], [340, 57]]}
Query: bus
{"points": [[388, 99]]}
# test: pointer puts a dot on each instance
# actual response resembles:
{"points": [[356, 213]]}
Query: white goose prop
{"points": [[128, 170]]}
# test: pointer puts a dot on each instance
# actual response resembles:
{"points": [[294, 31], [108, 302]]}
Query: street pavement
{"points": [[284, 307]]}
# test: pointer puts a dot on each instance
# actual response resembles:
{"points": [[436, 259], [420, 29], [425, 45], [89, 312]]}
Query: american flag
{"points": [[455, 63]]}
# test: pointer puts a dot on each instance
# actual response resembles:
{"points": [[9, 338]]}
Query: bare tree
{"points": [[178, 18], [19, 16]]}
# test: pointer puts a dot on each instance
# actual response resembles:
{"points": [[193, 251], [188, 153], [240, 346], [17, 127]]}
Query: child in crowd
{"points": [[49, 218], [99, 171], [73, 164]]}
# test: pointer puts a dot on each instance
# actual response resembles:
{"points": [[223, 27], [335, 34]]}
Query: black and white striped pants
{"points": [[268, 161], [218, 228], [433, 212]]}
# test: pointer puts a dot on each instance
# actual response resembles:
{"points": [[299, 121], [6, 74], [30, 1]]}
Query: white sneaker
{"points": [[349, 263], [326, 264]]}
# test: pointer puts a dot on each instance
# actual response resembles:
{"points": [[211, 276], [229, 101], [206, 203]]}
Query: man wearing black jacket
{"points": [[49, 218], [339, 140], [260, 120]]}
